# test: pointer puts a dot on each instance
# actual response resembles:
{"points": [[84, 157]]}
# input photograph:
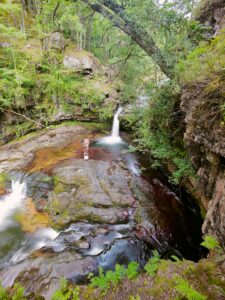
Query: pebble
{"points": [[84, 245]]}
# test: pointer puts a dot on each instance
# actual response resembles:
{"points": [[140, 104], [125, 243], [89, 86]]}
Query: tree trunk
{"points": [[116, 14], [89, 32]]}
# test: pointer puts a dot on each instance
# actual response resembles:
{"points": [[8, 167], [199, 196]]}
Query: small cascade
{"points": [[40, 238], [116, 123], [114, 138], [19, 246], [11, 203]]}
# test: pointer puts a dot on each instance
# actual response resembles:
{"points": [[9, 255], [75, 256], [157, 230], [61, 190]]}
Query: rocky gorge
{"points": [[103, 210]]}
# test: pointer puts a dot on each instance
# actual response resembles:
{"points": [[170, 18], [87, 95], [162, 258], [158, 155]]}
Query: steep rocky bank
{"points": [[204, 133], [204, 138]]}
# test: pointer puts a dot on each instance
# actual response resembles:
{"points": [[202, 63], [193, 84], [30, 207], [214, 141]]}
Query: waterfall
{"points": [[10, 203], [116, 123], [114, 138]]}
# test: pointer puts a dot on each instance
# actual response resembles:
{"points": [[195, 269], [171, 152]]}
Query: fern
{"points": [[153, 264], [112, 278], [120, 270], [135, 298], [18, 292], [3, 293], [175, 258], [211, 243], [184, 288], [132, 270], [100, 281], [66, 293]]}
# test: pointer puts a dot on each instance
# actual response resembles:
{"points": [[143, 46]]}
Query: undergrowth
{"points": [[157, 132]]}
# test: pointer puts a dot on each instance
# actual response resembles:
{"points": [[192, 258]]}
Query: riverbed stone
{"points": [[84, 245]]}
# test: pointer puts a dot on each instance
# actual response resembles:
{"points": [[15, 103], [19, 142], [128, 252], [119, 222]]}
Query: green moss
{"points": [[55, 207], [205, 63], [59, 188], [4, 177]]}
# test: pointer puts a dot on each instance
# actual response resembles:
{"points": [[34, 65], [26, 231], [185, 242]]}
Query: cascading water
{"points": [[11, 203], [114, 138], [116, 123], [16, 245]]}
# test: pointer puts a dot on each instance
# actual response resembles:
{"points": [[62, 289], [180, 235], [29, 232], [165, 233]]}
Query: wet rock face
{"points": [[19, 155], [214, 222], [205, 141], [86, 190]]}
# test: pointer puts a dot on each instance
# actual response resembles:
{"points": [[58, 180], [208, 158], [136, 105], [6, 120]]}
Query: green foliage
{"points": [[156, 132], [184, 288], [66, 293], [17, 293], [3, 293], [211, 243], [135, 298], [175, 258], [131, 271], [102, 282], [153, 264], [112, 278], [205, 62]]}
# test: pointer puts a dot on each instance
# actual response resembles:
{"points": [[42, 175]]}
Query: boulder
{"points": [[57, 41], [81, 61]]}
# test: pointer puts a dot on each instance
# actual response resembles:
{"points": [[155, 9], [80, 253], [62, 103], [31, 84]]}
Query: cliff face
{"points": [[204, 135], [211, 13], [205, 140]]}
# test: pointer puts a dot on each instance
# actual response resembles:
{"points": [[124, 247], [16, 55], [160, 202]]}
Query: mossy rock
{"points": [[4, 180]]}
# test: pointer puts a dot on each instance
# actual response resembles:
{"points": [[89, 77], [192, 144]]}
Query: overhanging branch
{"points": [[116, 14]]}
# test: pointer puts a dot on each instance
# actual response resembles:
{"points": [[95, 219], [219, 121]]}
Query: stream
{"points": [[72, 216]]}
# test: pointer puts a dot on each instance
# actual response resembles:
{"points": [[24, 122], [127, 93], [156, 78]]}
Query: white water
{"points": [[114, 138], [116, 123], [11, 203], [39, 239]]}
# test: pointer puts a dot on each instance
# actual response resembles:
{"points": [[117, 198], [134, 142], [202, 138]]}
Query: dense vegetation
{"points": [[37, 78], [35, 85]]}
